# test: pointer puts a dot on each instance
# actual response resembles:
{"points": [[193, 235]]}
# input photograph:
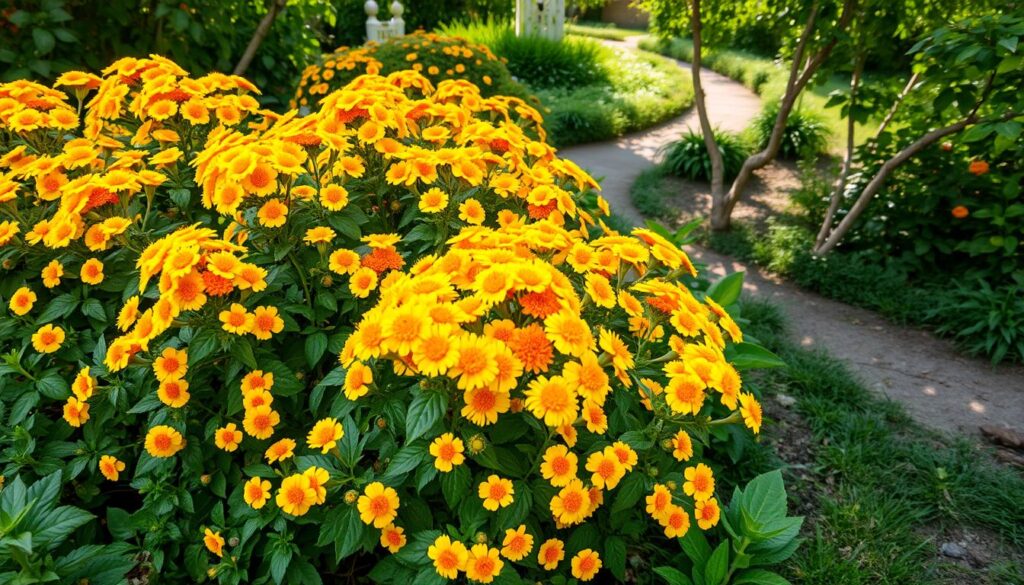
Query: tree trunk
{"points": [[276, 7], [896, 105], [844, 173], [798, 80], [714, 153]]}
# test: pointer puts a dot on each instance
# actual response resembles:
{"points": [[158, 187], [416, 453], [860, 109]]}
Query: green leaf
{"points": [[279, 562], [241, 350], [718, 565], [54, 528], [672, 576], [455, 485], [349, 532], [759, 577], [747, 356], [427, 408], [43, 40], [316, 345], [630, 491], [53, 386], [696, 547], [180, 197], [728, 288], [1010, 43], [405, 460], [414, 553], [615, 556], [61, 306], [94, 308], [764, 498]]}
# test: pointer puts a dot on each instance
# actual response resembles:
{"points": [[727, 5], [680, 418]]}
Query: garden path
{"points": [[939, 387]]}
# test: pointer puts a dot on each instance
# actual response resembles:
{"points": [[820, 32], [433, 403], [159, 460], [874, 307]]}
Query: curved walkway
{"points": [[938, 386]]}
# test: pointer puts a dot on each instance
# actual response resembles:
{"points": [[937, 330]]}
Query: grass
{"points": [[884, 490], [602, 30], [767, 78]]}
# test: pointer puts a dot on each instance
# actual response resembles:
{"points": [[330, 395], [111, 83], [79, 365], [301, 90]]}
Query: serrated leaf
{"points": [[427, 408], [316, 346]]}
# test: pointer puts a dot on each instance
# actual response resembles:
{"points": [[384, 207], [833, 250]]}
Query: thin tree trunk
{"points": [[798, 80], [714, 153], [844, 173], [276, 7]]}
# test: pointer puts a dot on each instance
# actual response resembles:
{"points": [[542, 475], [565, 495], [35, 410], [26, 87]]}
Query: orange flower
{"points": [[111, 467], [266, 322], [960, 212], [978, 167], [92, 271]]}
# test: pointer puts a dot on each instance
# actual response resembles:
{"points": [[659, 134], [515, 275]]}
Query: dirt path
{"points": [[939, 387]]}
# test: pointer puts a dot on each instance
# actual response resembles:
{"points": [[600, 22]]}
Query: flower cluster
{"points": [[436, 57], [388, 325]]}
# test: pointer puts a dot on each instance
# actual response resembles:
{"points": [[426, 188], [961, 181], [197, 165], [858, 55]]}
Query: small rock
{"points": [[785, 400], [953, 550]]}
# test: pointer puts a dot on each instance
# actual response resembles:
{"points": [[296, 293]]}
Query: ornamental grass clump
{"points": [[383, 339]]}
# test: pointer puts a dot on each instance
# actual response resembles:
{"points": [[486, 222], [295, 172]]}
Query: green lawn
{"points": [[602, 30], [881, 493], [768, 79]]}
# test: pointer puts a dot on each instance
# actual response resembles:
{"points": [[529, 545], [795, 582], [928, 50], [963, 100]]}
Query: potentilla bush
{"points": [[382, 341], [436, 57]]}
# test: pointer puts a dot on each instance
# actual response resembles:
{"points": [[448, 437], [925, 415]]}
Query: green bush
{"points": [[985, 320], [805, 134], [542, 62], [688, 157]]}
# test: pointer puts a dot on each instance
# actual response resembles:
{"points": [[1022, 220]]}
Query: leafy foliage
{"points": [[985, 320], [688, 157], [804, 136]]}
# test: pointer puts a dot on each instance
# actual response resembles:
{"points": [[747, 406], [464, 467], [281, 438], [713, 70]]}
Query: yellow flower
{"points": [[173, 392], [22, 301], [472, 212], [659, 503], [363, 282], [551, 553], [48, 339], [256, 492], [585, 564], [571, 504], [357, 380], [751, 412], [517, 543], [163, 441], [685, 393], [76, 412], [259, 422], [92, 271], [392, 538], [318, 476], [343, 261], [707, 513], [333, 197], [676, 521], [434, 353], [128, 314], [569, 333], [51, 274], [266, 322], [172, 364], [447, 451], [272, 214], [257, 380], [227, 437], [378, 505], [483, 405], [280, 450], [214, 542], [475, 366], [237, 320], [559, 465], [83, 385], [433, 200], [325, 435], [606, 469], [682, 446], [483, 564], [449, 557], [111, 467], [700, 482], [319, 235], [496, 492], [627, 456], [296, 495], [552, 400], [600, 291]]}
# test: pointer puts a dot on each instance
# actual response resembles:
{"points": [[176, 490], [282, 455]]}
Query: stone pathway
{"points": [[939, 387]]}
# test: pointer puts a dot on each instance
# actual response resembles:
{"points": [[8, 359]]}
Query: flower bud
{"points": [[653, 472], [382, 423], [351, 496], [233, 541], [327, 281], [480, 538], [477, 443], [205, 478], [667, 444], [516, 405], [671, 485]]}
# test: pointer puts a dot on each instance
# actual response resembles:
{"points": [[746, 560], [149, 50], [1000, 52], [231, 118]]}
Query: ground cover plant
{"points": [[880, 519], [589, 92], [601, 30], [381, 341]]}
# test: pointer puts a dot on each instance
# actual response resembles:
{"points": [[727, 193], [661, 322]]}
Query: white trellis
{"points": [[378, 31], [543, 18]]}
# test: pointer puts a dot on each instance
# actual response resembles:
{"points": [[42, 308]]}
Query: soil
{"points": [[939, 386], [768, 196]]}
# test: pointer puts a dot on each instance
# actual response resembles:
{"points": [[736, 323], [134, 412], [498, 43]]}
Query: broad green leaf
{"points": [[672, 576], [759, 577], [630, 491], [747, 356], [615, 556], [727, 289], [718, 565], [427, 408], [455, 485], [764, 497], [316, 345]]}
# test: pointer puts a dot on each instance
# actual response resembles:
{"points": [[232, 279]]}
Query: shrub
{"points": [[985, 320], [688, 157], [182, 272], [539, 61], [436, 57], [805, 134]]}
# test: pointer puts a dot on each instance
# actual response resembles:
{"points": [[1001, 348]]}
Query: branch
{"points": [[896, 105], [276, 7], [890, 165], [844, 173]]}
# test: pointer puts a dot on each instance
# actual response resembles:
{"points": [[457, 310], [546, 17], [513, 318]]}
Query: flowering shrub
{"points": [[436, 57], [380, 340]]}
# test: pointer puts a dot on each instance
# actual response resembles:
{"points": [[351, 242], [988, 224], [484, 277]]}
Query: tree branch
{"points": [[714, 153], [844, 173], [276, 7]]}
